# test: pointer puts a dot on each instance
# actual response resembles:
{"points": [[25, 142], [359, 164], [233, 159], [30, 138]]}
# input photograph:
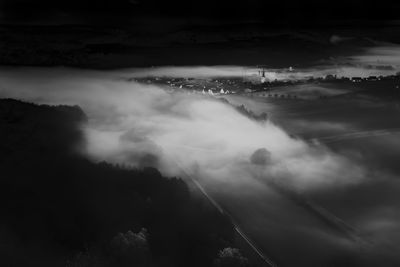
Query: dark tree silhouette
{"points": [[57, 207], [231, 257]]}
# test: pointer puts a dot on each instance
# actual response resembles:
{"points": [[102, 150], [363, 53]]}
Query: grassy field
{"points": [[363, 131]]}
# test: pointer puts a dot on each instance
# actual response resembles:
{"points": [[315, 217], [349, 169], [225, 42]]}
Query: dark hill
{"points": [[59, 209]]}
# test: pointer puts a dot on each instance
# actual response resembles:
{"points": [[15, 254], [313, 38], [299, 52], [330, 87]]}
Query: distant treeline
{"points": [[247, 112], [60, 209]]}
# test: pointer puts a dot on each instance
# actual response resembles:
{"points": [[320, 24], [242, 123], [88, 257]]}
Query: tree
{"points": [[230, 257], [261, 157], [131, 249]]}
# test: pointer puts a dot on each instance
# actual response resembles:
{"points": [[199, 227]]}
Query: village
{"points": [[257, 85]]}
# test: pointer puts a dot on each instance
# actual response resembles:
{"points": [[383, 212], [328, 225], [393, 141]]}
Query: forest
{"points": [[60, 209]]}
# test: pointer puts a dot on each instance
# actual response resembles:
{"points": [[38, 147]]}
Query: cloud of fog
{"points": [[138, 124], [388, 55], [193, 71]]}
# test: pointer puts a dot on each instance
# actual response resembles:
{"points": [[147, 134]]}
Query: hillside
{"points": [[59, 209]]}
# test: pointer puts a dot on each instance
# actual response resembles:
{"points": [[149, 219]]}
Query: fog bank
{"points": [[137, 124]]}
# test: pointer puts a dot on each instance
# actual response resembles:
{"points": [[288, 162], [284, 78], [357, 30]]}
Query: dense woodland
{"points": [[60, 209]]}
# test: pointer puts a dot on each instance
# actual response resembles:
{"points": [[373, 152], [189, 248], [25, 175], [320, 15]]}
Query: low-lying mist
{"points": [[138, 125]]}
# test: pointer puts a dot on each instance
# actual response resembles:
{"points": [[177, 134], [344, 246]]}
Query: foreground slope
{"points": [[59, 209]]}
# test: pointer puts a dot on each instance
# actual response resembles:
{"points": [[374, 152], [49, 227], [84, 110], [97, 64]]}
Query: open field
{"points": [[364, 131]]}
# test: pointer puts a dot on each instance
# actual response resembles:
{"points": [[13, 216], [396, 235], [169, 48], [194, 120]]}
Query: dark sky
{"points": [[97, 11]]}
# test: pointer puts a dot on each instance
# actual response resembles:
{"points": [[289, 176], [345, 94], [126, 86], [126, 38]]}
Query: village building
{"points": [[356, 79]]}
